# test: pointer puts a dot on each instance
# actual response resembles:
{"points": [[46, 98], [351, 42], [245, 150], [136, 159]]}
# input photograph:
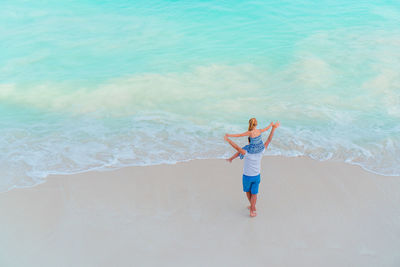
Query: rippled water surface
{"points": [[88, 85]]}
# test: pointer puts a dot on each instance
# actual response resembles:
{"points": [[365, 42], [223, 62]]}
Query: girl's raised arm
{"points": [[239, 135], [266, 128]]}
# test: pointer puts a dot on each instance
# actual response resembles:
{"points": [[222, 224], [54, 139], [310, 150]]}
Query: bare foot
{"points": [[253, 214]]}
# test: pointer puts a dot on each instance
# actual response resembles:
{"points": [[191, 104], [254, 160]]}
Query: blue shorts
{"points": [[250, 183]]}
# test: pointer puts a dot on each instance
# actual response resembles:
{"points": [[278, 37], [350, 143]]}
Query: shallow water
{"points": [[85, 85]]}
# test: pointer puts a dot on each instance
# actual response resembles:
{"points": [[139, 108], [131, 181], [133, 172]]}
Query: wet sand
{"points": [[194, 214]]}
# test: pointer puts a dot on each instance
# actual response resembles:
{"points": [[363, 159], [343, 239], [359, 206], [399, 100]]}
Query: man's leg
{"points": [[248, 194], [247, 187], [253, 201]]}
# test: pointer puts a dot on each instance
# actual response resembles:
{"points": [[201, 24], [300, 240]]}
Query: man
{"points": [[251, 169]]}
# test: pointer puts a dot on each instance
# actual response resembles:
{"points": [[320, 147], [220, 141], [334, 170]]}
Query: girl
{"points": [[256, 144]]}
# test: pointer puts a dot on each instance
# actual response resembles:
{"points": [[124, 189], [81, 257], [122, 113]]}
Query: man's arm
{"points": [[234, 145], [266, 128], [239, 135], [271, 134], [233, 157]]}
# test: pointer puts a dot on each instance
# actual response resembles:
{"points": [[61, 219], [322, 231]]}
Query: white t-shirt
{"points": [[252, 163]]}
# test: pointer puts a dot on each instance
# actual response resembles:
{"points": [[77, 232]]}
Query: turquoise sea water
{"points": [[102, 84]]}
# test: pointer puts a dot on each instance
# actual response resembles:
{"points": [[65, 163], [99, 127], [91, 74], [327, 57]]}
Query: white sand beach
{"points": [[194, 214]]}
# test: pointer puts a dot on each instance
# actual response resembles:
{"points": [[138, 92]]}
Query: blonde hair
{"points": [[252, 124]]}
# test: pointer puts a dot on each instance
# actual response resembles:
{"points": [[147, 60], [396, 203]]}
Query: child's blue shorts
{"points": [[250, 183]]}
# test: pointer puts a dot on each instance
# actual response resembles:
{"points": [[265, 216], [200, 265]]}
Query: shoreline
{"points": [[194, 213], [110, 168]]}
